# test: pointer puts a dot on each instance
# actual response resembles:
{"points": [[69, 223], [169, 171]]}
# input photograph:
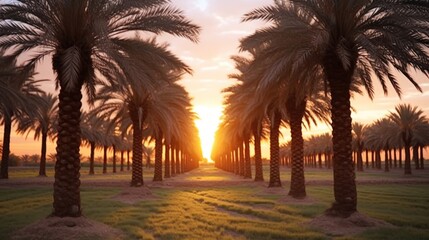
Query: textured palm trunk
{"points": [[344, 175], [91, 158], [157, 176], [422, 159], [167, 161], [42, 167], [248, 165], [4, 172], [67, 166], [296, 113], [258, 158], [137, 159], [105, 159], [275, 151], [114, 158]]}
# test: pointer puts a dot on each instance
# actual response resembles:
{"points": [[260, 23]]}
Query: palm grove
{"points": [[308, 63], [97, 45]]}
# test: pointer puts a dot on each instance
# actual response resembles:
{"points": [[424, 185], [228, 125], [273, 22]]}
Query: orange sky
{"points": [[210, 59]]}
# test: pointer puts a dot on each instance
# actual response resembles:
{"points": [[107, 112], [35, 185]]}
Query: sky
{"points": [[210, 59]]}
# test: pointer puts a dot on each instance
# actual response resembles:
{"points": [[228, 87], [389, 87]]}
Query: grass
{"points": [[227, 212]]}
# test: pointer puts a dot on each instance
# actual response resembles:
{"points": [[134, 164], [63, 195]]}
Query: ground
{"points": [[206, 191]]}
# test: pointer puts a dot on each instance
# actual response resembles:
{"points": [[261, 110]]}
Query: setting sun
{"points": [[207, 122]]}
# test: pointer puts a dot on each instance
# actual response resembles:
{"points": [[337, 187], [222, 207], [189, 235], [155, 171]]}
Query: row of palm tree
{"points": [[92, 42], [333, 46], [383, 135]]}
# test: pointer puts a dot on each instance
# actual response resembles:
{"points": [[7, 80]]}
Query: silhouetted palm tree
{"points": [[408, 120], [18, 85], [43, 124], [91, 135], [338, 36], [84, 37]]}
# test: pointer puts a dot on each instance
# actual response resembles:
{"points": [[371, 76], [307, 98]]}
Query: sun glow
{"points": [[209, 118]]}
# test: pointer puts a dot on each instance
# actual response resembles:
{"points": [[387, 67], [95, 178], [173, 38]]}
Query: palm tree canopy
{"points": [[367, 37], [86, 37], [409, 120], [44, 120]]}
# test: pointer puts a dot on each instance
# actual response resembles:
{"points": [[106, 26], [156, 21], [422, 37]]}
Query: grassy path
{"points": [[211, 204]]}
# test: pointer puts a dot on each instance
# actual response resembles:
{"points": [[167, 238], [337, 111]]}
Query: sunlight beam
{"points": [[209, 119]]}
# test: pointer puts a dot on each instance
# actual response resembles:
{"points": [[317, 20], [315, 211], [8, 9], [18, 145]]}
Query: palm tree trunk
{"points": [[400, 158], [395, 159], [366, 159], [344, 175], [157, 176], [42, 167], [167, 161], [241, 157], [67, 166], [105, 159], [91, 158], [275, 151], [236, 161], [416, 157], [296, 113], [173, 164], [4, 172], [114, 158], [422, 158], [137, 165], [378, 159], [122, 160], [359, 159], [178, 171], [182, 161], [128, 160], [248, 165], [386, 160], [407, 162], [258, 159]]}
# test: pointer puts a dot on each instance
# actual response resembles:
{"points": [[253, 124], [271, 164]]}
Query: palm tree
{"points": [[19, 85], [84, 37], [127, 104], [381, 136], [339, 36], [43, 125], [91, 135], [408, 121], [168, 117]]}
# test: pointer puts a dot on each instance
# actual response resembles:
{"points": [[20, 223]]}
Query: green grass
{"points": [[240, 212]]}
